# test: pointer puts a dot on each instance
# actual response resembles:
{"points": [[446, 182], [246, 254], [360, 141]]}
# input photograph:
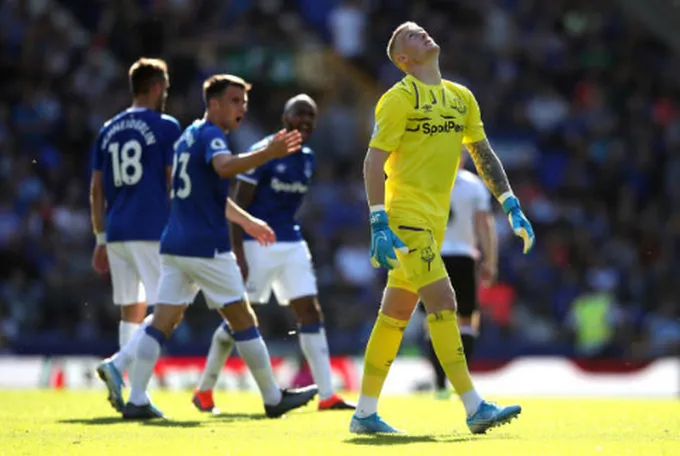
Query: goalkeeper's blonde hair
{"points": [[393, 39]]}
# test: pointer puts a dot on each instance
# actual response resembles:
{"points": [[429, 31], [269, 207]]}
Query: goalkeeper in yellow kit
{"points": [[421, 124]]}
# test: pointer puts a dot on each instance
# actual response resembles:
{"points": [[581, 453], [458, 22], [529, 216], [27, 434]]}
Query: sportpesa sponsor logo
{"points": [[448, 126], [293, 187], [431, 128]]}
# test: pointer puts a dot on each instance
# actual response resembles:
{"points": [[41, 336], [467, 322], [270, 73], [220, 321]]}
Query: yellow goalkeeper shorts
{"points": [[423, 264]]}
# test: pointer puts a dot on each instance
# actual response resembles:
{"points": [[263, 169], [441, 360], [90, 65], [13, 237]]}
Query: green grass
{"points": [[81, 423]]}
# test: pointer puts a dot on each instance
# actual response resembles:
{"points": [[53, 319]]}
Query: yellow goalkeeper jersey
{"points": [[424, 127]]}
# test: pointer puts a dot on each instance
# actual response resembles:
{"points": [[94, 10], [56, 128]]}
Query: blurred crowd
{"points": [[579, 102]]}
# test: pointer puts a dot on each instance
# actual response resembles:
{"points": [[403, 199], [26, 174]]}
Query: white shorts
{"points": [[135, 270], [183, 277], [285, 267]]}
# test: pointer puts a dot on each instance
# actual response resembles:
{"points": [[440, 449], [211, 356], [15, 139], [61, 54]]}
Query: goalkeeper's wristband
{"points": [[509, 202], [101, 238], [378, 216]]}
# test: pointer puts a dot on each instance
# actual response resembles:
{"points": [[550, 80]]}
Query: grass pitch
{"points": [[82, 423]]}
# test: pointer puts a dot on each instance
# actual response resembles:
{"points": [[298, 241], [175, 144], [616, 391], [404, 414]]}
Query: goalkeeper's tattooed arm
{"points": [[489, 167]]}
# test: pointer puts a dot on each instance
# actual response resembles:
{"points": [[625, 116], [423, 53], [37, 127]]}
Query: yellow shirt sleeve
{"points": [[390, 121], [474, 127]]}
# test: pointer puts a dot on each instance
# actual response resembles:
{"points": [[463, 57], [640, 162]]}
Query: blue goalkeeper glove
{"points": [[384, 242], [519, 223]]}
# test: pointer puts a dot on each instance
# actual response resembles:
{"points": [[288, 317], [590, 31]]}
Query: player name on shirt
{"points": [[130, 124]]}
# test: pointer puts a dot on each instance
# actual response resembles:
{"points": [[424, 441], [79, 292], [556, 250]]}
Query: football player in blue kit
{"points": [[273, 192], [129, 196], [130, 205], [196, 252]]}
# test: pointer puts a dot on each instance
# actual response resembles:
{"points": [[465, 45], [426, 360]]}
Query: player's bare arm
{"points": [[374, 175], [284, 143], [97, 208], [235, 213], [255, 227], [243, 194], [489, 167], [168, 172], [97, 202], [485, 227]]}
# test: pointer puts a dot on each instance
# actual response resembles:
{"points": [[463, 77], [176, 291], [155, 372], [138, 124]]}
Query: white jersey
{"points": [[468, 197]]}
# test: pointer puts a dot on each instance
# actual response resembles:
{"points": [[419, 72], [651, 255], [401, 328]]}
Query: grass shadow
{"points": [[390, 439], [97, 421], [108, 420], [459, 438], [404, 439], [455, 438], [172, 423], [231, 417]]}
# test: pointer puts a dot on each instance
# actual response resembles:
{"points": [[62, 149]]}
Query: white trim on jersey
{"points": [[468, 197], [250, 180]]}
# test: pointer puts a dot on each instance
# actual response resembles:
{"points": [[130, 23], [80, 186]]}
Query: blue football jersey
{"points": [[197, 226], [133, 151], [281, 184]]}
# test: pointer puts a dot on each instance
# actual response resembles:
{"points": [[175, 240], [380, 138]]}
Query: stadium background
{"points": [[579, 99]]}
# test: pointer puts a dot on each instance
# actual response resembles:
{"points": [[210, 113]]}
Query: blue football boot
{"points": [[372, 424], [114, 383], [490, 415]]}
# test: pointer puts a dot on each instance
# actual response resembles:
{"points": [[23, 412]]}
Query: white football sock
{"points": [[315, 348], [471, 401], [148, 351], [125, 332], [220, 348], [254, 353], [367, 406], [123, 359]]}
